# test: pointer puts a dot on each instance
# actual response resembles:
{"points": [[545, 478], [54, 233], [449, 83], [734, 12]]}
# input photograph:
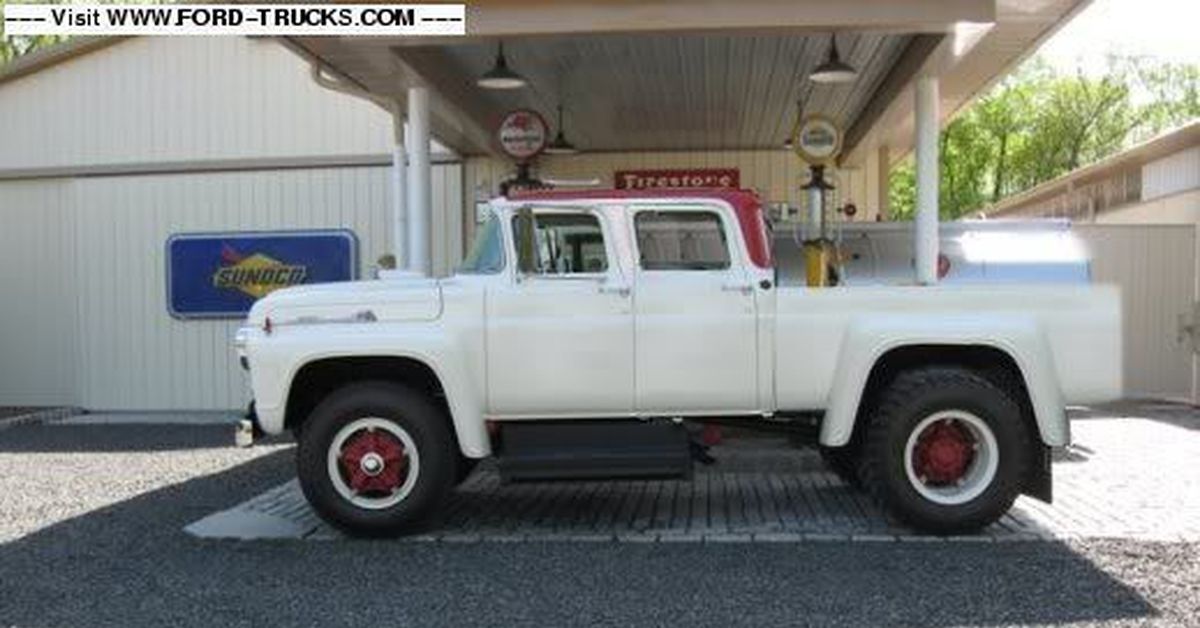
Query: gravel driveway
{"points": [[90, 534]]}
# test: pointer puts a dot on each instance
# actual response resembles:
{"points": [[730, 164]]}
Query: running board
{"points": [[593, 449]]}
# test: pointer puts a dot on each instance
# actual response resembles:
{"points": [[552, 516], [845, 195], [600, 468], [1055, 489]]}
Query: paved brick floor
{"points": [[1132, 473]]}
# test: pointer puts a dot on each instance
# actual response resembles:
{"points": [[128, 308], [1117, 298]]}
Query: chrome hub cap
{"points": [[373, 463]]}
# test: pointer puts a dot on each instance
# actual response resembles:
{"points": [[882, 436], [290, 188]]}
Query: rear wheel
{"points": [[376, 459], [945, 450]]}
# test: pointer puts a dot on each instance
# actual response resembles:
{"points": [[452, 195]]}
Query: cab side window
{"points": [[566, 244], [681, 240]]}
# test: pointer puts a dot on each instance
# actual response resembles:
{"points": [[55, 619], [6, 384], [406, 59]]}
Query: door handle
{"points": [[743, 288], [621, 291]]}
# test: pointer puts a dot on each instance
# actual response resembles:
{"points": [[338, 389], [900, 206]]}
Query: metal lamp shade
{"points": [[560, 146], [833, 70], [500, 77]]}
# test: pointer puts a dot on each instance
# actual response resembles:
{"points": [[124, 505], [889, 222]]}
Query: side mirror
{"points": [[526, 258]]}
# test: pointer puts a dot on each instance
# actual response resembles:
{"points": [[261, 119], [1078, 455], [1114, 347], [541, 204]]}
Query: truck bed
{"points": [[1073, 330], [1032, 251]]}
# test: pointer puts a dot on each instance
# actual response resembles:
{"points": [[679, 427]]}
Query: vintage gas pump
{"points": [[818, 141], [820, 250]]}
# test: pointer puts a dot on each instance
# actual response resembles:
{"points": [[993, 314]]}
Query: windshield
{"points": [[486, 255]]}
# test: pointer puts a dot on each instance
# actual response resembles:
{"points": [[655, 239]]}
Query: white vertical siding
{"points": [[82, 282], [82, 274], [181, 99], [1156, 268], [1170, 175], [37, 295], [1173, 209]]}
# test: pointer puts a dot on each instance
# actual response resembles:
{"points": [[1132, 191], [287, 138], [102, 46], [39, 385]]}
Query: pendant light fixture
{"points": [[559, 145], [500, 77], [833, 70]]}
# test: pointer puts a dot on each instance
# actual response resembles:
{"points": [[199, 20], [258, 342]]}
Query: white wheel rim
{"points": [[336, 471], [979, 473]]}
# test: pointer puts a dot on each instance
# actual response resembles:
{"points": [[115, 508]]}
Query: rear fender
{"points": [[868, 339]]}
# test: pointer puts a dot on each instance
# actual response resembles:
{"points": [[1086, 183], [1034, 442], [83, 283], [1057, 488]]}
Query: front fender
{"points": [[1019, 336], [276, 359]]}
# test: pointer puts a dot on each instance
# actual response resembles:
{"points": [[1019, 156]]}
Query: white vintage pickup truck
{"points": [[587, 329]]}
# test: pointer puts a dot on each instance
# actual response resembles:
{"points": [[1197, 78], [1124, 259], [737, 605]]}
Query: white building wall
{"points": [[157, 99], [1172, 174], [38, 352], [1179, 208], [82, 265], [1157, 268], [82, 283]]}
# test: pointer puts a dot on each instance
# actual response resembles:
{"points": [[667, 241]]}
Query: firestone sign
{"points": [[522, 134], [678, 178]]}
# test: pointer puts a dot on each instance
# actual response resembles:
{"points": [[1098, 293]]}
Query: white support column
{"points": [[399, 219], [926, 222], [420, 210]]}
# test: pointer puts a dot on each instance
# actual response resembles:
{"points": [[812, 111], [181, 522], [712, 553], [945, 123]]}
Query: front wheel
{"points": [[945, 450], [376, 459]]}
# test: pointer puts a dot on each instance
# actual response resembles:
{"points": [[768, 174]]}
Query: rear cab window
{"points": [[681, 239]]}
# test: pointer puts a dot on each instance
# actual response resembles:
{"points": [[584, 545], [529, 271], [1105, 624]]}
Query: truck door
{"points": [[560, 337], [694, 314]]}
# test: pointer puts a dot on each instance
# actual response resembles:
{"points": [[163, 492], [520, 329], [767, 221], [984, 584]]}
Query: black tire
{"points": [[413, 412], [912, 397], [843, 461]]}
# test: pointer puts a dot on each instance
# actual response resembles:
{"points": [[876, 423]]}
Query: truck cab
{"points": [[586, 329]]}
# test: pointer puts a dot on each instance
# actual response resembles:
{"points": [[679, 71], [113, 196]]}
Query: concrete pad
{"points": [[247, 525], [1115, 491]]}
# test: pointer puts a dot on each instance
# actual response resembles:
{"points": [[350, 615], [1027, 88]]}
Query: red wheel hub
{"points": [[373, 461], [943, 453]]}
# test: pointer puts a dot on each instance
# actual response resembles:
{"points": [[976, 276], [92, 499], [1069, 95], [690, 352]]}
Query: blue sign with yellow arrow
{"points": [[220, 275]]}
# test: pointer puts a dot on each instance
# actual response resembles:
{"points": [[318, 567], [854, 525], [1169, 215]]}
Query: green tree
{"points": [[1171, 92], [13, 46], [1039, 124]]}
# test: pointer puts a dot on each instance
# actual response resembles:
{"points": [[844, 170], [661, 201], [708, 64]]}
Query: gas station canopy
{"points": [[698, 75]]}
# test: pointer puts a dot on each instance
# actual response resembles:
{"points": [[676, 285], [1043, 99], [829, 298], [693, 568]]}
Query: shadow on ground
{"points": [[119, 438], [130, 564]]}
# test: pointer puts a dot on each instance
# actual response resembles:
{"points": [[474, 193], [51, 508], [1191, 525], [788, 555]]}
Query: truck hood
{"points": [[415, 299]]}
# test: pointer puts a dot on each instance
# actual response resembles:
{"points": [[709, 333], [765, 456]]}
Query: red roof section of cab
{"points": [[746, 205]]}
